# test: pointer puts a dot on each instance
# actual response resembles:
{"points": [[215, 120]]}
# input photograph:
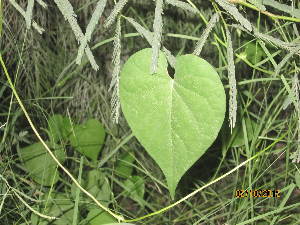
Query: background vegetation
{"points": [[43, 70]]}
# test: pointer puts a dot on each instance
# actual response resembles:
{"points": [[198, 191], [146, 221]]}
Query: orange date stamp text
{"points": [[260, 193]]}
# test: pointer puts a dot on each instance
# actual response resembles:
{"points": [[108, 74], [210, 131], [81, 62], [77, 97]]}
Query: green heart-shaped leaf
{"points": [[254, 52], [88, 138], [176, 120], [59, 128], [124, 166], [40, 165]]}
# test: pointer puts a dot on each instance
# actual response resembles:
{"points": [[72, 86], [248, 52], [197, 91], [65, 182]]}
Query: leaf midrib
{"points": [[171, 128]]}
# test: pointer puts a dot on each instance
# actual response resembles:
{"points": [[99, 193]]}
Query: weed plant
{"points": [[261, 80]]}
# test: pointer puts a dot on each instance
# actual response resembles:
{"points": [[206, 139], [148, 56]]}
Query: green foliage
{"points": [[95, 182], [62, 206], [58, 205], [99, 217], [258, 4], [39, 164], [135, 188], [59, 128], [88, 138], [44, 70], [232, 9], [1, 18], [237, 137], [124, 168], [297, 178], [283, 7], [161, 110], [254, 52]]}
